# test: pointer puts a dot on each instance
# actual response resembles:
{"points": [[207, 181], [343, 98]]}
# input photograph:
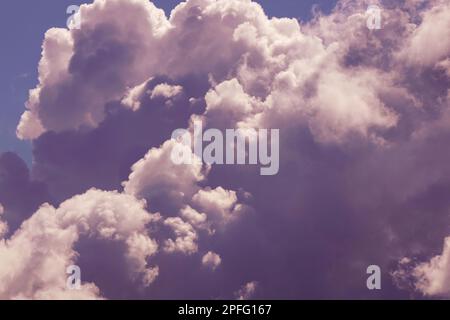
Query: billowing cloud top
{"points": [[364, 175]]}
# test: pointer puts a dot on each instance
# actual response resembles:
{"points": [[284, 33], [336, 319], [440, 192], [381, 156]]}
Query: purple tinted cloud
{"points": [[364, 175]]}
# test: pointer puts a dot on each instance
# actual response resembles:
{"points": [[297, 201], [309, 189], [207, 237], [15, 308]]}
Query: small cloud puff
{"points": [[211, 260]]}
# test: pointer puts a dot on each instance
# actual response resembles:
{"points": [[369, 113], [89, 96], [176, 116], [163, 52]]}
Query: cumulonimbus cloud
{"points": [[35, 258], [363, 113]]}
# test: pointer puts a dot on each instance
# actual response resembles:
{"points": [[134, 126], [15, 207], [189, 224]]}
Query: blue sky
{"points": [[22, 27]]}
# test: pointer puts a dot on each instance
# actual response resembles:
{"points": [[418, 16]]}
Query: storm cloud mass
{"points": [[364, 177]]}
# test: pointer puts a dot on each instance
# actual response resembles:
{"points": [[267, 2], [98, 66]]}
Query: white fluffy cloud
{"points": [[211, 260], [186, 237], [156, 174], [259, 68], [247, 291], [195, 218], [348, 104], [134, 95], [165, 90], [431, 278], [3, 224], [220, 205], [81, 70], [35, 258], [432, 33], [330, 76], [37, 255]]}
